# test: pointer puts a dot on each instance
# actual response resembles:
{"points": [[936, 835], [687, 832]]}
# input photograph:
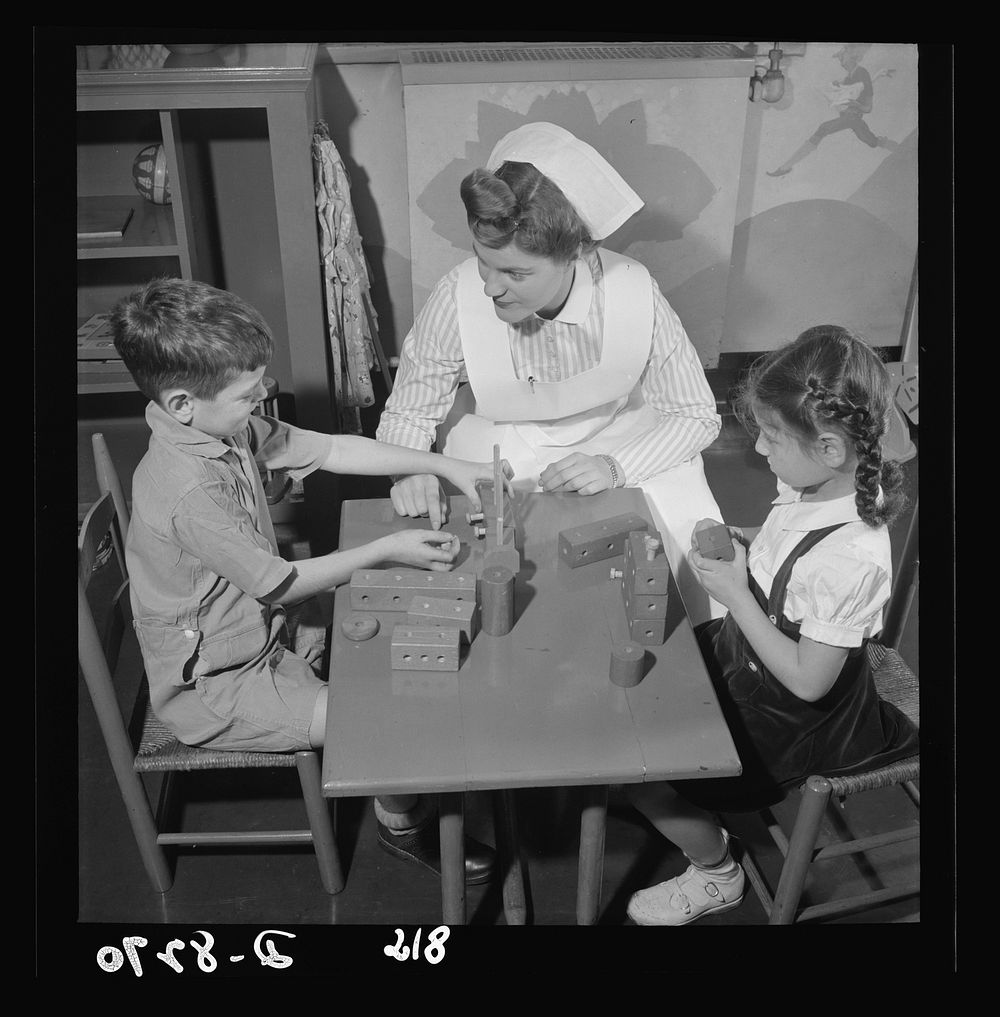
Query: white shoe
{"points": [[686, 898]]}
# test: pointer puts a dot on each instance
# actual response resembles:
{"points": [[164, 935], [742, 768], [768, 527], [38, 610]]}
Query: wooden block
{"points": [[394, 589], [627, 663], [505, 554], [498, 600], [644, 605], [716, 543], [359, 627], [648, 631], [503, 557], [606, 538], [424, 648], [640, 574], [459, 614], [488, 515]]}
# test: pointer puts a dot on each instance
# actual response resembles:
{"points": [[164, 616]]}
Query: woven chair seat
{"points": [[895, 682], [871, 780], [160, 751]]}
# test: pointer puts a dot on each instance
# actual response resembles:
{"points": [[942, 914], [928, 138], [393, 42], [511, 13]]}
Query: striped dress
{"points": [[431, 367]]}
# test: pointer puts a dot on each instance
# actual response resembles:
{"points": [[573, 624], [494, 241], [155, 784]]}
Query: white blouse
{"points": [[836, 591]]}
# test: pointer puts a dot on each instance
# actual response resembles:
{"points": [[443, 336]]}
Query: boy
{"points": [[209, 590]]}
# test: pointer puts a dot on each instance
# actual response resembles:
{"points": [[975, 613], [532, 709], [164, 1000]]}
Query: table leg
{"points": [[592, 823], [509, 856], [451, 808]]}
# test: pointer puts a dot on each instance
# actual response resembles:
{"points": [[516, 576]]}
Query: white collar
{"points": [[814, 515], [577, 306]]}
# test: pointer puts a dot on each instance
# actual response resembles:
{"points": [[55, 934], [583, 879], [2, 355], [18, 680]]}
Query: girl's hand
{"points": [[424, 549], [726, 581], [464, 475], [734, 531], [577, 472]]}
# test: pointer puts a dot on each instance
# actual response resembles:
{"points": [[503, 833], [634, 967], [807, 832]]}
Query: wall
{"points": [[362, 105], [832, 240]]}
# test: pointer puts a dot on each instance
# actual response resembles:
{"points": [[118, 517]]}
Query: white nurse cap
{"points": [[600, 196]]}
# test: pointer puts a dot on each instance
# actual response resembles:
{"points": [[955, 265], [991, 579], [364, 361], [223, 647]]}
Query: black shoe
{"points": [[423, 846]]}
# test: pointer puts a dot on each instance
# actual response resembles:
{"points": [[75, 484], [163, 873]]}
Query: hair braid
{"points": [[830, 377], [865, 431]]}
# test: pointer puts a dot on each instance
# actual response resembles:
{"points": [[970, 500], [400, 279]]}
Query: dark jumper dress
{"points": [[782, 739]]}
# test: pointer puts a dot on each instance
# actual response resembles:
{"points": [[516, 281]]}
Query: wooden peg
{"points": [[497, 612], [627, 661], [359, 627]]}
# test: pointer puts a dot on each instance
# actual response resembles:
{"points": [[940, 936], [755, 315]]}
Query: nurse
{"points": [[562, 352]]}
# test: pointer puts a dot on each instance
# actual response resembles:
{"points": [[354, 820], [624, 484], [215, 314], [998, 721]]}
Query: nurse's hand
{"points": [[577, 472], [420, 495]]}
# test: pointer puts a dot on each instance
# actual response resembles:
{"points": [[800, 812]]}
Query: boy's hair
{"points": [[518, 203], [179, 333], [830, 378]]}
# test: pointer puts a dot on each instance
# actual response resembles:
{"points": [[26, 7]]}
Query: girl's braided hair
{"points": [[830, 378]]}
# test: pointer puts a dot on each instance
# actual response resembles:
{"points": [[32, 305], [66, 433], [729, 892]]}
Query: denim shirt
{"points": [[201, 551]]}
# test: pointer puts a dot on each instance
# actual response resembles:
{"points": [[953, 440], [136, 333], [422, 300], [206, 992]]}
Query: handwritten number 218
{"points": [[433, 951]]}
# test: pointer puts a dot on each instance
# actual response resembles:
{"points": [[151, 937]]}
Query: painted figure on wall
{"points": [[852, 97]]}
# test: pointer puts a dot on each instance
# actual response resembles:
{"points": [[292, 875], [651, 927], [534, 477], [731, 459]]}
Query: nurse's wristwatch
{"points": [[617, 480]]}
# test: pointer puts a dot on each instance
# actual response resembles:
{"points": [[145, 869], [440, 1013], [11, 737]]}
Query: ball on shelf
{"points": [[149, 173]]}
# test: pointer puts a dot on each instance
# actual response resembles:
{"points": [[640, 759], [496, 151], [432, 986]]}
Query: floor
{"points": [[281, 888]]}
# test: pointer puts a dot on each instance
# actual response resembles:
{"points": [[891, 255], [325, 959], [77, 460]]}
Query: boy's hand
{"points": [[577, 472], [464, 475], [420, 495], [726, 581], [425, 549]]}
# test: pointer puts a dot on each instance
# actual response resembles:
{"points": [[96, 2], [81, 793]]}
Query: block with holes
{"points": [[459, 614], [645, 582], [644, 605], [504, 552], [715, 542], [394, 589], [647, 631], [424, 648], [580, 545], [642, 573], [487, 498]]}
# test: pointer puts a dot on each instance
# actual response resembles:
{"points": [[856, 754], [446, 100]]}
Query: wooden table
{"points": [[533, 708]]}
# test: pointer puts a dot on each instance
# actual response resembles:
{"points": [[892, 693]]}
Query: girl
{"points": [[788, 660]]}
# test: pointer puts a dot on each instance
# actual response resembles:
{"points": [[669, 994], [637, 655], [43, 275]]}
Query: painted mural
{"points": [[830, 230]]}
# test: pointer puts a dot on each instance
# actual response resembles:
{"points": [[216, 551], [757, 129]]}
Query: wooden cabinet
{"points": [[157, 238], [129, 97]]}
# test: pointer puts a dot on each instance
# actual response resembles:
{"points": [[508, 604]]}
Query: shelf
{"points": [[150, 234], [97, 376]]}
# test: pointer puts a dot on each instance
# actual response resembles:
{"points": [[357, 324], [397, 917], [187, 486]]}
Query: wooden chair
{"points": [[897, 684], [143, 745]]}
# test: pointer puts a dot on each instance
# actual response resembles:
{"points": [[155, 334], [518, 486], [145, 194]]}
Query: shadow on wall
{"points": [[620, 137], [817, 261]]}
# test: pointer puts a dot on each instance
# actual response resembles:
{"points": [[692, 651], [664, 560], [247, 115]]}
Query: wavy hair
{"points": [[520, 204], [830, 378]]}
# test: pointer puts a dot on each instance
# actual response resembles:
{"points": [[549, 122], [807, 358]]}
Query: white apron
{"points": [[593, 412]]}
